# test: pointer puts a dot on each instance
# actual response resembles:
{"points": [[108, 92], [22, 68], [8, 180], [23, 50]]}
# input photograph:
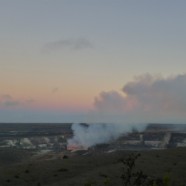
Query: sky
{"points": [[92, 60]]}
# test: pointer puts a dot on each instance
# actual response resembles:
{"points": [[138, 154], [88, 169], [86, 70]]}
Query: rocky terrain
{"points": [[38, 154], [54, 137]]}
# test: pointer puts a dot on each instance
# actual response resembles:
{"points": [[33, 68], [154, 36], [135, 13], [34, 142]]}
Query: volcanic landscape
{"points": [[54, 153]]}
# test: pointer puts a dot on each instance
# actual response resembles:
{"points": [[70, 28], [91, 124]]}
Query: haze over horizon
{"points": [[92, 61]]}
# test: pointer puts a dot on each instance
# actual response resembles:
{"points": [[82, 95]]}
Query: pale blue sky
{"points": [[83, 47]]}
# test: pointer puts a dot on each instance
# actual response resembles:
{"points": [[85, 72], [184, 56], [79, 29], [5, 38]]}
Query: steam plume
{"points": [[146, 99], [89, 135]]}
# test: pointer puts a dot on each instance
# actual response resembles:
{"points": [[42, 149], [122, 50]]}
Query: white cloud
{"points": [[55, 90], [7, 100], [72, 44], [146, 99]]}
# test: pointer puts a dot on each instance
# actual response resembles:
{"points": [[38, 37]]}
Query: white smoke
{"points": [[25, 142], [89, 135], [146, 99]]}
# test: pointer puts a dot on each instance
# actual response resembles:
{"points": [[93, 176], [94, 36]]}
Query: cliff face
{"points": [[55, 137]]}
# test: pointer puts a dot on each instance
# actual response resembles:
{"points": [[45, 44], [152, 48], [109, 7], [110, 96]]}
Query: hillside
{"points": [[82, 170]]}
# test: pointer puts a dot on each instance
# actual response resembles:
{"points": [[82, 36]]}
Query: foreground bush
{"points": [[131, 176]]}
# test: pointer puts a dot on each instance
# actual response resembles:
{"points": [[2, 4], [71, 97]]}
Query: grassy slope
{"points": [[9, 156], [92, 169]]}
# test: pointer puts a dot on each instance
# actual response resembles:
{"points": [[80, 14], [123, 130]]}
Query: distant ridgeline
{"points": [[33, 128], [166, 127]]}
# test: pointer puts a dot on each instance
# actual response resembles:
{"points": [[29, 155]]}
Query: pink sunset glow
{"points": [[76, 61]]}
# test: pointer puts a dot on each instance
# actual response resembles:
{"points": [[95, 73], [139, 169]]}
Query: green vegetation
{"points": [[124, 168], [132, 177]]}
